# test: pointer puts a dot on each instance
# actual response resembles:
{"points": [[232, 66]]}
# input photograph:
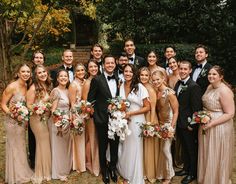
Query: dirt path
{"points": [[75, 178]]}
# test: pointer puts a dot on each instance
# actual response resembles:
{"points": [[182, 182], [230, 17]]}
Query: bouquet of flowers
{"points": [[77, 126], [42, 108], [200, 117], [61, 120], [117, 104], [84, 109], [165, 131], [117, 124], [20, 113], [148, 130]]}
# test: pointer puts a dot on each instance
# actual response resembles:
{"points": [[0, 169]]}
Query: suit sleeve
{"points": [[92, 91], [196, 100]]}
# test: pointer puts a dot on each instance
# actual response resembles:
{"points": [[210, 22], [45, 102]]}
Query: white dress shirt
{"points": [[112, 85], [197, 71]]}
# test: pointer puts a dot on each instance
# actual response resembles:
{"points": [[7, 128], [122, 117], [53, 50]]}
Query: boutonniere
{"points": [[204, 72], [183, 88], [136, 62]]}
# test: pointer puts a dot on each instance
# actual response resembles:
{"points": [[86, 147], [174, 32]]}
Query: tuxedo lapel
{"points": [[105, 85]]}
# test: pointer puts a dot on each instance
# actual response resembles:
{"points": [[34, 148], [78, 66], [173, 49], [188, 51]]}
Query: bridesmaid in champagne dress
{"points": [[78, 141], [150, 144], [60, 145], [167, 111], [92, 157], [39, 93], [17, 168], [215, 154]]}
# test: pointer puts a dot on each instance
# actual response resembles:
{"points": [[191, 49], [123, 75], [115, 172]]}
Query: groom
{"points": [[102, 88]]}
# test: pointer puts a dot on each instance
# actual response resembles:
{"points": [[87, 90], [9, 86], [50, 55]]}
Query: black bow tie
{"points": [[199, 66], [131, 59], [182, 83], [69, 69], [111, 77]]}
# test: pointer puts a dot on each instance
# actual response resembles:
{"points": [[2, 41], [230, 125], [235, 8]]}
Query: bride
{"points": [[130, 158]]}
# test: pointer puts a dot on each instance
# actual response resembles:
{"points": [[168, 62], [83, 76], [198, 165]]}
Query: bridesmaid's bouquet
{"points": [[149, 130], [77, 126], [200, 117], [20, 113], [84, 109], [81, 112], [61, 120], [165, 131], [117, 124], [42, 108]]}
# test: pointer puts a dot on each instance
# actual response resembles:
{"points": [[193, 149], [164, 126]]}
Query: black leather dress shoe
{"points": [[188, 179], [113, 175], [181, 173], [105, 177]]}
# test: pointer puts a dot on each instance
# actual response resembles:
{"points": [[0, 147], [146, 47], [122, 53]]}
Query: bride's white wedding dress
{"points": [[130, 155]]}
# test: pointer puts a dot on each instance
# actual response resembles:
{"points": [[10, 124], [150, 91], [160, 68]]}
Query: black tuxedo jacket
{"points": [[189, 102], [202, 79], [53, 74], [139, 62], [99, 93]]}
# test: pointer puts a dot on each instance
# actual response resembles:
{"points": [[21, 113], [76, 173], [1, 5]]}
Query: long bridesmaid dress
{"points": [[17, 168]]}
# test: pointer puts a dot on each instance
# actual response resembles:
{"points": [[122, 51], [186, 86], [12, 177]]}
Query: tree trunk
{"points": [[29, 45]]}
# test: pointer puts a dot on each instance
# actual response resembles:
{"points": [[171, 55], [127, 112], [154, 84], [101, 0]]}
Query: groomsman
{"points": [[121, 62], [102, 88], [200, 71], [67, 58], [129, 48], [96, 53], [169, 52], [189, 98]]}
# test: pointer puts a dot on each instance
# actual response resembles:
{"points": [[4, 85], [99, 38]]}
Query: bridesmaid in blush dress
{"points": [[215, 154], [17, 168], [167, 111], [130, 155], [78, 141], [92, 156], [150, 144], [60, 145], [39, 93]]}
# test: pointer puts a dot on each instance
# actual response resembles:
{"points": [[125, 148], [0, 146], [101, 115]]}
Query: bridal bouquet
{"points": [[165, 131], [61, 120], [20, 113], [84, 109], [117, 124], [200, 117], [149, 130], [42, 108], [77, 125]]}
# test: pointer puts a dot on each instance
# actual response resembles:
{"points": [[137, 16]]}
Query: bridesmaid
{"points": [[17, 168], [174, 76], [39, 92], [215, 154], [92, 157], [152, 60], [150, 144], [78, 141], [60, 145], [167, 111]]}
